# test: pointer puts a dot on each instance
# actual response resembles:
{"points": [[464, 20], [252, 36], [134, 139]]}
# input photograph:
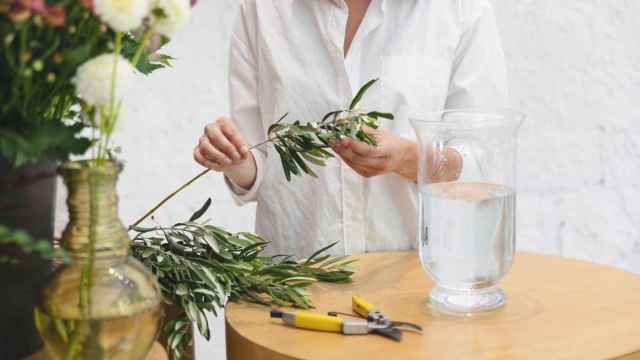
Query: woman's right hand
{"points": [[222, 148]]}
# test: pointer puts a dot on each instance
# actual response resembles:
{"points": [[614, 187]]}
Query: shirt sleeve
{"points": [[243, 94], [478, 77]]}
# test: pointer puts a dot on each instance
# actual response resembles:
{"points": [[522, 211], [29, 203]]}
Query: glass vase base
{"points": [[466, 302]]}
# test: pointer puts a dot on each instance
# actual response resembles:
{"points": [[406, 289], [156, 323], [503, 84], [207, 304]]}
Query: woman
{"points": [[308, 57]]}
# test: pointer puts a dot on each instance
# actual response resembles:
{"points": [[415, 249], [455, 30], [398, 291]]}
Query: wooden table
{"points": [[556, 309]]}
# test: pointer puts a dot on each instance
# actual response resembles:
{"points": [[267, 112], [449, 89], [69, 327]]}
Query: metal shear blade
{"points": [[406, 325], [390, 332]]}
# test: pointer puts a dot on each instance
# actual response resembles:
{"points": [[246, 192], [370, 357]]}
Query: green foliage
{"points": [[300, 145], [199, 266], [54, 139], [149, 61], [38, 103], [35, 102], [23, 241]]}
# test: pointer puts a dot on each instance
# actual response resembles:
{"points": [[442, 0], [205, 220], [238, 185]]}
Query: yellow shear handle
{"points": [[361, 306], [313, 321]]}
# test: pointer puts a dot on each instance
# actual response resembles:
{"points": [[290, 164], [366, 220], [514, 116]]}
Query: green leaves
{"points": [[302, 145], [36, 112], [361, 93], [54, 141], [179, 338], [199, 266], [377, 114], [148, 61], [38, 100], [23, 241], [198, 214]]}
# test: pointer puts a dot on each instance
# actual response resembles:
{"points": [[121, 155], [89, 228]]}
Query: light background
{"points": [[574, 68]]}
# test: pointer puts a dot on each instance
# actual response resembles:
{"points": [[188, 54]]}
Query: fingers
{"points": [[200, 159], [360, 156], [221, 146], [218, 140], [364, 171], [225, 138], [233, 135], [365, 166], [212, 153], [363, 149]]}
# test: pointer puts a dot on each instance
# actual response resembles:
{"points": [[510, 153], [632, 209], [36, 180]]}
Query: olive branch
{"points": [[199, 266], [302, 145]]}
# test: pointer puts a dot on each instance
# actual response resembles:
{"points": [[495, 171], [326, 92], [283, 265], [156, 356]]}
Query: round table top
{"points": [[556, 308]]}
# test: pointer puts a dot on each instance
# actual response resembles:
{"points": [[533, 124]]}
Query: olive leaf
{"points": [[360, 94], [198, 214]]}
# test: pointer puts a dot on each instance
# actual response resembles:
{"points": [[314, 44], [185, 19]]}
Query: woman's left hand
{"points": [[393, 154]]}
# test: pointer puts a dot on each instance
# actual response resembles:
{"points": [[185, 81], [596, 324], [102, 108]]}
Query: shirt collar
{"points": [[383, 3]]}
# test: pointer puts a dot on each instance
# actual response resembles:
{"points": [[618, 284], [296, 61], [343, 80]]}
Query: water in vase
{"points": [[119, 338], [468, 240]]}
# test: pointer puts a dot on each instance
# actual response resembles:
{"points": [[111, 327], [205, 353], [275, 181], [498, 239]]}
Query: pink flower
{"points": [[88, 4], [54, 15], [19, 14], [21, 10], [35, 5]]}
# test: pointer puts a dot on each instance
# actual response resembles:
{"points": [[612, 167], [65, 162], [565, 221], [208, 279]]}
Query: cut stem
{"points": [[168, 197], [183, 186]]}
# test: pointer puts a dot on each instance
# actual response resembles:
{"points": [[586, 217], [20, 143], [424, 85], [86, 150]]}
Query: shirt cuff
{"points": [[241, 195]]}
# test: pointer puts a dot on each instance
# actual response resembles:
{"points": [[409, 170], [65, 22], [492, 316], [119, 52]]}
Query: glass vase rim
{"points": [[498, 117]]}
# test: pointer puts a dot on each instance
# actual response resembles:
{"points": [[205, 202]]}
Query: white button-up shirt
{"points": [[287, 56]]}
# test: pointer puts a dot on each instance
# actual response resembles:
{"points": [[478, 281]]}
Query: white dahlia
{"points": [[93, 78], [122, 15], [175, 15]]}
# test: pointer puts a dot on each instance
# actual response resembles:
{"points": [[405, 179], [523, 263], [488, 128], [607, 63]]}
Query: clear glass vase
{"points": [[467, 215], [105, 304]]}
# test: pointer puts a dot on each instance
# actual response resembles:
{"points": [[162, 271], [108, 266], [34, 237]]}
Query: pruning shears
{"points": [[371, 320]]}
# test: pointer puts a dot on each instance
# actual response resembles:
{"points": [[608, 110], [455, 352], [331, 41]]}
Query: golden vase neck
{"points": [[94, 228]]}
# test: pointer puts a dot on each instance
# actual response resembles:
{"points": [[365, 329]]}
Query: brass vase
{"points": [[105, 304]]}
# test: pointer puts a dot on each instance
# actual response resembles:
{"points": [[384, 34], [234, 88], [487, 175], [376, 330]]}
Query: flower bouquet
{"points": [[67, 65]]}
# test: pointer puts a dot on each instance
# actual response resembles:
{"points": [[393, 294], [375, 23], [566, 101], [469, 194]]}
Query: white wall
{"points": [[574, 67]]}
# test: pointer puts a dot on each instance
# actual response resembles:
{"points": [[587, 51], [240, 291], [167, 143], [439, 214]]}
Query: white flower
{"points": [[175, 16], [93, 78], [122, 15]]}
